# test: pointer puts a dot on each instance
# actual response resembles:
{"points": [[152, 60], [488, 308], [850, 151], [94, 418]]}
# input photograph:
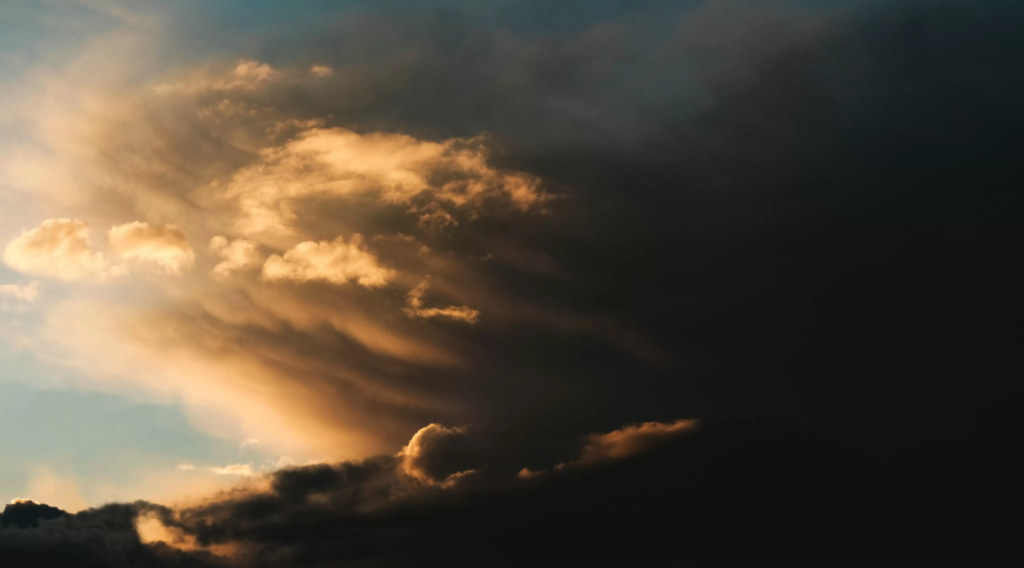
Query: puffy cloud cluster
{"points": [[60, 248], [396, 168], [336, 262]]}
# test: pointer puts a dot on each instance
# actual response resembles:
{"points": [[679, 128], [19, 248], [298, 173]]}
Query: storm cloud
{"points": [[454, 249], [713, 494]]}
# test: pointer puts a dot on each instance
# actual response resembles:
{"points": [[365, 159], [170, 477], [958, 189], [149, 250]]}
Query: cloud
{"points": [[397, 168], [185, 467], [164, 246], [321, 71], [336, 262], [728, 492], [414, 307], [246, 75], [238, 254], [239, 469], [436, 454], [744, 197], [632, 440], [26, 513], [24, 292], [249, 442], [59, 248]]}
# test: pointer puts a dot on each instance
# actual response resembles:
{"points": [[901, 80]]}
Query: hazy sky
{"points": [[474, 243]]}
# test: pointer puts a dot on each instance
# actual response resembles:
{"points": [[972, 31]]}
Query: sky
{"points": [[406, 283]]}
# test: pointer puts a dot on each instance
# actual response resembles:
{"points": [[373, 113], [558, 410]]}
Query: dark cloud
{"points": [[96, 538], [25, 513], [760, 211], [712, 496], [768, 211], [763, 213]]}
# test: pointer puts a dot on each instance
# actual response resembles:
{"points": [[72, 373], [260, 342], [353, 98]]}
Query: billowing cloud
{"points": [[336, 262], [238, 254], [325, 162], [414, 307], [436, 454], [703, 497], [166, 246], [777, 212], [59, 248]]}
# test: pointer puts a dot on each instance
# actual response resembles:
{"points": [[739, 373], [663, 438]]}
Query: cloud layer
{"points": [[730, 493]]}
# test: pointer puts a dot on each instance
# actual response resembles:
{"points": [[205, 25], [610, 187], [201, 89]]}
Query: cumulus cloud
{"points": [[59, 248], [325, 162], [414, 307], [166, 246], [24, 292], [238, 254], [435, 454], [336, 262]]}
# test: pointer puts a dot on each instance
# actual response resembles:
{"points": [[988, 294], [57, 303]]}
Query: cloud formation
{"points": [[59, 248], [336, 262], [775, 212], [414, 307], [728, 492], [238, 254], [165, 246], [633, 439], [24, 292], [239, 469], [397, 168], [437, 454]]}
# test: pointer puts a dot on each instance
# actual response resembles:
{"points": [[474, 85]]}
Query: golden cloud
{"points": [[396, 167], [164, 246], [336, 262], [238, 254], [414, 307], [59, 248]]}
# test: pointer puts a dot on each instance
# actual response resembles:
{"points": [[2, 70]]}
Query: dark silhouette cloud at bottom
{"points": [[722, 494]]}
